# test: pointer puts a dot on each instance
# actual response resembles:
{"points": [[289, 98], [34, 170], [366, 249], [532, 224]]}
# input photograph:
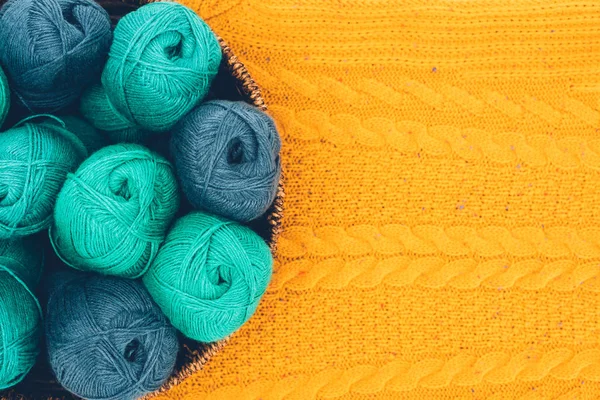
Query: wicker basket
{"points": [[233, 82]]}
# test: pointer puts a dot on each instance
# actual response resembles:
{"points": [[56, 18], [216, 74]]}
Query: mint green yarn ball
{"points": [[35, 157], [20, 312], [112, 214], [209, 275], [4, 97], [161, 64]]}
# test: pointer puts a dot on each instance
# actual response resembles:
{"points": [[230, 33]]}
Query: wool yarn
{"points": [[20, 312], [209, 275], [24, 257], [160, 66], [112, 214], [35, 157], [91, 138], [227, 158], [4, 97], [97, 108], [52, 49], [107, 339]]}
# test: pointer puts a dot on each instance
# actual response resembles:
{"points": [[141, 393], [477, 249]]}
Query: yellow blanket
{"points": [[442, 224]]}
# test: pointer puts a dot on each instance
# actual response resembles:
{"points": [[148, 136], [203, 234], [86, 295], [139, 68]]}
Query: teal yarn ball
{"points": [[97, 108], [91, 138], [209, 275], [161, 64], [52, 49], [24, 257], [112, 214], [107, 339], [20, 312], [35, 157], [227, 159], [4, 97]]}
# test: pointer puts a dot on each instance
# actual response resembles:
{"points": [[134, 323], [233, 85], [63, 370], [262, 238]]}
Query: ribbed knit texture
{"points": [[442, 225]]}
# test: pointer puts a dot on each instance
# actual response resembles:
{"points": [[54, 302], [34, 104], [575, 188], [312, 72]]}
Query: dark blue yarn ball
{"points": [[227, 159], [52, 49], [106, 337]]}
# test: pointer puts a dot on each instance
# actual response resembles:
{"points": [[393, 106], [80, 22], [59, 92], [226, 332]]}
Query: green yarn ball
{"points": [[35, 157], [160, 66], [96, 107], [20, 312], [4, 97], [209, 275], [24, 257], [91, 138], [112, 214]]}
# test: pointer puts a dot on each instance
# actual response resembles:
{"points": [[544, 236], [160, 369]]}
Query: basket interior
{"points": [[231, 83]]}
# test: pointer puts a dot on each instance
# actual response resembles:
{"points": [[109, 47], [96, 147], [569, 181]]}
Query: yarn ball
{"points": [[24, 257], [107, 339], [4, 97], [112, 214], [227, 158], [161, 63], [209, 275], [52, 49], [97, 108], [88, 135], [20, 312], [35, 157]]}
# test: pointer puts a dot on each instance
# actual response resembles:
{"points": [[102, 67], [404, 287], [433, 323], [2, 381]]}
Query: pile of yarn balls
{"points": [[148, 244]]}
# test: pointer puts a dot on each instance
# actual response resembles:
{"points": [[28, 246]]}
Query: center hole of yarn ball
{"points": [[174, 51], [235, 152], [69, 16], [120, 187], [131, 350]]}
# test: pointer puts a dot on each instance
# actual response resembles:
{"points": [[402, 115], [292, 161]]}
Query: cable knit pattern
{"points": [[462, 370], [436, 272], [469, 144], [441, 233], [454, 241]]}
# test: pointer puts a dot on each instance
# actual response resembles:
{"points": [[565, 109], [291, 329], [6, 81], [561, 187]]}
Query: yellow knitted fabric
{"points": [[442, 223]]}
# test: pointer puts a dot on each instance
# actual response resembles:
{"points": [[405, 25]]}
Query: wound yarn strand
{"points": [[209, 275], [161, 63], [52, 49], [20, 312], [227, 159], [35, 157], [112, 214], [115, 323]]}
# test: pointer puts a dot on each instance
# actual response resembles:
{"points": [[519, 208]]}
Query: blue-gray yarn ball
{"points": [[227, 159], [52, 49], [106, 337]]}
